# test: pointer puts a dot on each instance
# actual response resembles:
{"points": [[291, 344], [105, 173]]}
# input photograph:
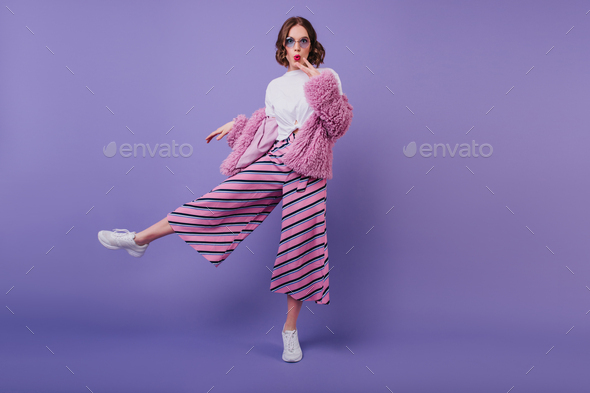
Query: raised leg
{"points": [[156, 231], [293, 305]]}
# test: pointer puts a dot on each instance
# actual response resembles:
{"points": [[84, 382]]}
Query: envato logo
{"points": [[465, 149], [126, 150]]}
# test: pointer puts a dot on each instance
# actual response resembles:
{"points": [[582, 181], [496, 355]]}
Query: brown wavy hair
{"points": [[316, 50]]}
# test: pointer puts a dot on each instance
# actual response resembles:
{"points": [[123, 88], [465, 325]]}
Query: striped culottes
{"points": [[217, 222]]}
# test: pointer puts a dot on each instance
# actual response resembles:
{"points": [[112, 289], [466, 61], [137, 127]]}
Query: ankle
{"points": [[287, 327], [139, 241]]}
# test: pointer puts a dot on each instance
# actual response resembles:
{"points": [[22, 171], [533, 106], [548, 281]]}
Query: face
{"points": [[297, 33]]}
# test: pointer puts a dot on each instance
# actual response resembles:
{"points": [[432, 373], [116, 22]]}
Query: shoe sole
{"points": [[110, 247], [293, 361]]}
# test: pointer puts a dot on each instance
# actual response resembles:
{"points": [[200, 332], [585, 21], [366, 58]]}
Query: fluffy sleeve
{"points": [[337, 79], [323, 96], [236, 131]]}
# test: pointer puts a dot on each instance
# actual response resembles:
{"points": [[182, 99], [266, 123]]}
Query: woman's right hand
{"points": [[222, 131]]}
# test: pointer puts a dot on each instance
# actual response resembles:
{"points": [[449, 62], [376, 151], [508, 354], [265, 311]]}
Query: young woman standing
{"points": [[308, 102]]}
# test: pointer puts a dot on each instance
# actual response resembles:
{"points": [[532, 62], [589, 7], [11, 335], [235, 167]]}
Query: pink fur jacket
{"points": [[311, 153]]}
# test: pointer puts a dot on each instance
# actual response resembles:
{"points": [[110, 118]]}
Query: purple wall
{"points": [[450, 274]]}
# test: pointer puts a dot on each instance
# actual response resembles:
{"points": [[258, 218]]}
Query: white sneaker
{"points": [[115, 240], [292, 351]]}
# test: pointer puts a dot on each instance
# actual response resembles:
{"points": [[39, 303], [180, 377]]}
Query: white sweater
{"points": [[286, 102]]}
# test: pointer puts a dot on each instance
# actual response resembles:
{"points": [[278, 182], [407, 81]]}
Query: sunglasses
{"points": [[290, 42]]}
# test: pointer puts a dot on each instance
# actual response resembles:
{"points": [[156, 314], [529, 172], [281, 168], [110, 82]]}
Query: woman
{"points": [[308, 102]]}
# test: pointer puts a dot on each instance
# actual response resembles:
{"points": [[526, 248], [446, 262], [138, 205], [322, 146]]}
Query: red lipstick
{"points": [[297, 57]]}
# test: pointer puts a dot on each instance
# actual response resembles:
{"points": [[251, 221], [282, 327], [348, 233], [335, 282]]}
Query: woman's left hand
{"points": [[309, 69]]}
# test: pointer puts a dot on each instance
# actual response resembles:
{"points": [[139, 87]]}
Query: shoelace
{"points": [[290, 341], [118, 235]]}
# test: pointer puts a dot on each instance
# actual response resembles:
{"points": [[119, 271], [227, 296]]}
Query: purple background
{"points": [[457, 288]]}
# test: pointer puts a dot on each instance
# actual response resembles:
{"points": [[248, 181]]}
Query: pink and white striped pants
{"points": [[217, 222]]}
